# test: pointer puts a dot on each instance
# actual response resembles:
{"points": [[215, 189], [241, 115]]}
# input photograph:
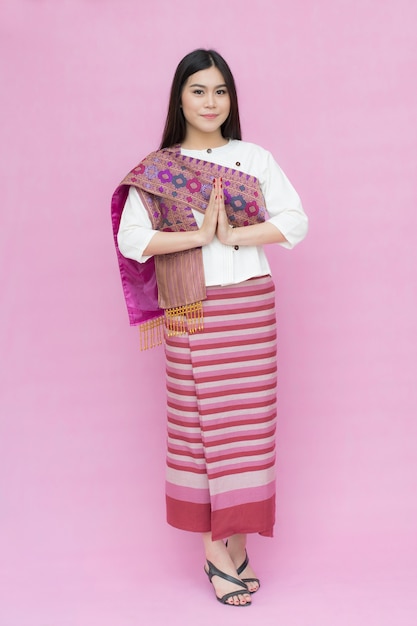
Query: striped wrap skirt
{"points": [[221, 406]]}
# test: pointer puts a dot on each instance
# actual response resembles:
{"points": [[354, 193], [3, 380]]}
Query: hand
{"points": [[209, 225], [224, 230]]}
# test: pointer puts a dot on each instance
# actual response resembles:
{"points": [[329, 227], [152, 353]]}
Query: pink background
{"points": [[329, 87]]}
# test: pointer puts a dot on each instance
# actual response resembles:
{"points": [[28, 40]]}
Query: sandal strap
{"points": [[244, 565], [224, 599], [215, 571]]}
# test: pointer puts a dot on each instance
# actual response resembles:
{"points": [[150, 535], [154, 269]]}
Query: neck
{"points": [[203, 142]]}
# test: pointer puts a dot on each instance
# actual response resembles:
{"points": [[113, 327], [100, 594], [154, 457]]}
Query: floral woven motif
{"points": [[183, 183]]}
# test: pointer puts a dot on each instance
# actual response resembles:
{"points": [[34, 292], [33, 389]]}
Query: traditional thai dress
{"points": [[215, 308]]}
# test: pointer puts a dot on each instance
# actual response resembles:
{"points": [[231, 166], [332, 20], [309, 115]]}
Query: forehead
{"points": [[209, 77]]}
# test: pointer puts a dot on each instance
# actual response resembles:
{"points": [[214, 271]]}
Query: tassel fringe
{"points": [[179, 320], [151, 333], [184, 319]]}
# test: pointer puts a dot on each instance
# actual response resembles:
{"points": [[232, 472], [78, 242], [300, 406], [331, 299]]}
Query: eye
{"points": [[221, 92], [198, 92]]}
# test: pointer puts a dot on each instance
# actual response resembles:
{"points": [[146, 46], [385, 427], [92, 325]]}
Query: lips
{"points": [[209, 116]]}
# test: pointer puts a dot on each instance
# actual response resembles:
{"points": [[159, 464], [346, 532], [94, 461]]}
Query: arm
{"points": [[287, 224], [254, 235], [166, 242], [135, 228], [137, 240]]}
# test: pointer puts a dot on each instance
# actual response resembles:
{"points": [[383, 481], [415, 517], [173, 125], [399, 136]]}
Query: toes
{"points": [[239, 599], [233, 600]]}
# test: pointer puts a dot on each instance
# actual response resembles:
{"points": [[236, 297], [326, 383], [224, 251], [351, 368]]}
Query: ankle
{"points": [[236, 546], [214, 550]]}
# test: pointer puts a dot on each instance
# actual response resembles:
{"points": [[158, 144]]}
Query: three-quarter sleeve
{"points": [[283, 204], [135, 230]]}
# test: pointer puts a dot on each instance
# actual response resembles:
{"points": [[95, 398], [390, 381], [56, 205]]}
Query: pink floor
{"points": [[312, 588]]}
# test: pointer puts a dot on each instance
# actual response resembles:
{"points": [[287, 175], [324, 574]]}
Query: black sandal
{"points": [[214, 571], [242, 568]]}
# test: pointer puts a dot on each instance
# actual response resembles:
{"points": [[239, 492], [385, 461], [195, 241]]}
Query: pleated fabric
{"points": [[221, 405]]}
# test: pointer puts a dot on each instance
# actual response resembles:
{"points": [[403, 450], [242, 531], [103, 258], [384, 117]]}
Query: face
{"points": [[205, 103]]}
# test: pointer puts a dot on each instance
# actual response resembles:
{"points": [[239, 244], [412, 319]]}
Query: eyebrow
{"points": [[205, 86]]}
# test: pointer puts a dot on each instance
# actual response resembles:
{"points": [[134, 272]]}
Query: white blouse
{"points": [[223, 264]]}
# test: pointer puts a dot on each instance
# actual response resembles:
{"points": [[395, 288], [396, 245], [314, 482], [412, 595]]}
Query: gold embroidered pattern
{"points": [[181, 320]]}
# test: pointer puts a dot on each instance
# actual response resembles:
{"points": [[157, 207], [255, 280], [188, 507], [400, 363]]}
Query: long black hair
{"points": [[175, 126]]}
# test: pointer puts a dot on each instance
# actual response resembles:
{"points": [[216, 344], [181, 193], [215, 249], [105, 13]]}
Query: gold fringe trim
{"points": [[151, 333], [181, 320]]}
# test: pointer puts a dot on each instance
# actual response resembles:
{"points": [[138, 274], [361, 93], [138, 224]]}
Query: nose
{"points": [[210, 101]]}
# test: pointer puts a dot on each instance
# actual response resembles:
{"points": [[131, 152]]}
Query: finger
{"points": [[212, 208], [213, 195], [214, 191], [221, 205], [220, 191]]}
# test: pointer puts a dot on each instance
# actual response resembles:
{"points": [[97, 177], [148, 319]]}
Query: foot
{"points": [[237, 550], [236, 594], [248, 576]]}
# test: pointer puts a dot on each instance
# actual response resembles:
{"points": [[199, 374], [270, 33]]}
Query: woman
{"points": [[190, 222]]}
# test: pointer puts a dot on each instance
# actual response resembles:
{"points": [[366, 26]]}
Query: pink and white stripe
{"points": [[221, 386]]}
